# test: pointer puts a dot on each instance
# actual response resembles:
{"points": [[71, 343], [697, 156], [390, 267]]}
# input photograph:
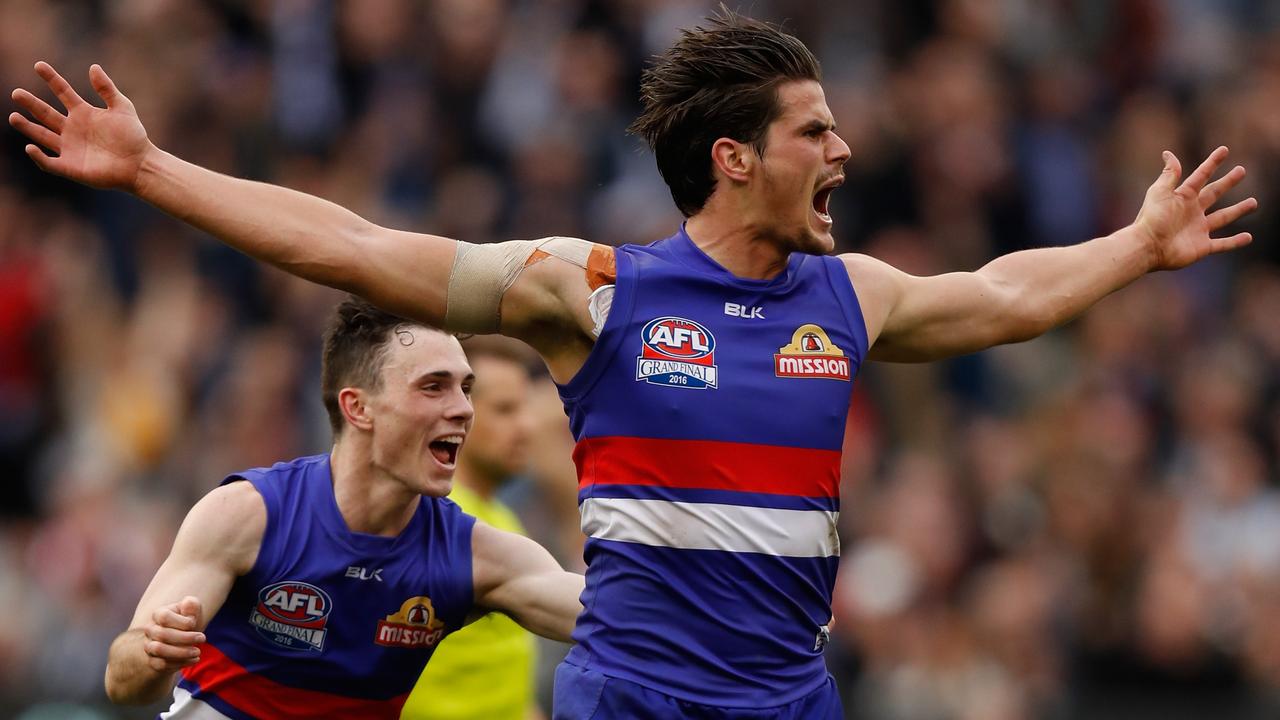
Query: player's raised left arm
{"points": [[517, 576], [1022, 295], [109, 148]]}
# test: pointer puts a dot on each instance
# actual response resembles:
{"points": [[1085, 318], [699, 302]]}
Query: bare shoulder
{"points": [[499, 557], [228, 523], [866, 269], [878, 286]]}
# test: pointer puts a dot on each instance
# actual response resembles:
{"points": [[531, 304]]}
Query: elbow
{"points": [[122, 692], [117, 692], [1023, 328], [1028, 316]]}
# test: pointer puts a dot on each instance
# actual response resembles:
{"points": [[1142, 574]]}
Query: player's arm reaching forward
{"points": [[217, 542], [517, 576], [1021, 295], [406, 273]]}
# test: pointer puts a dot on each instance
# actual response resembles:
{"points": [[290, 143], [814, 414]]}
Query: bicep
{"points": [[218, 541], [920, 318], [502, 562], [406, 273]]}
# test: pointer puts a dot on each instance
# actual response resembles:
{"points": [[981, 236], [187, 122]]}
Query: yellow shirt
{"points": [[485, 670]]}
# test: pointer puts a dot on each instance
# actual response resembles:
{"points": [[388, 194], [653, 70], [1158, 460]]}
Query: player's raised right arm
{"points": [[218, 541], [403, 272]]}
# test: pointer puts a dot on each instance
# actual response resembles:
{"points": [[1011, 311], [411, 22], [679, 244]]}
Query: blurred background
{"points": [[1082, 526]]}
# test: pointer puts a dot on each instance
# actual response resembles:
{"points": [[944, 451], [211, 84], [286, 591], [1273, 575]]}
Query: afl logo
{"points": [[678, 339], [677, 352], [292, 614]]}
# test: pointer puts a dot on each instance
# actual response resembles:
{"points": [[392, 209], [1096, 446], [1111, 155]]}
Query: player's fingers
{"points": [[36, 133], [105, 88], [1219, 219], [1198, 177], [168, 616], [170, 636], [163, 665], [42, 161], [59, 85], [39, 109], [1217, 245], [1172, 170], [163, 651], [1216, 189], [190, 606]]}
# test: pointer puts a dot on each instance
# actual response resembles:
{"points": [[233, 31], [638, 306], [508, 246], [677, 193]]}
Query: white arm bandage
{"points": [[482, 274]]}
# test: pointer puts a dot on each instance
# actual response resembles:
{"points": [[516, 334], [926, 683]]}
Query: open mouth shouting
{"points": [[822, 198], [445, 449]]}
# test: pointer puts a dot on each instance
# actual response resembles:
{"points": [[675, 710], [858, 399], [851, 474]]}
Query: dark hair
{"points": [[716, 81], [355, 346]]}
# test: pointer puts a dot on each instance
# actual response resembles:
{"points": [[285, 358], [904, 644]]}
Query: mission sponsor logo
{"points": [[292, 614], [414, 626], [678, 353], [811, 354]]}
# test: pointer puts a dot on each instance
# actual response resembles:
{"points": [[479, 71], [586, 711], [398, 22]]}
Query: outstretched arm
{"points": [[406, 273], [516, 575], [1021, 295], [217, 542]]}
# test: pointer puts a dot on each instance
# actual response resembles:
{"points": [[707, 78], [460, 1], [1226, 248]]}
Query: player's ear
{"points": [[733, 159], [355, 407]]}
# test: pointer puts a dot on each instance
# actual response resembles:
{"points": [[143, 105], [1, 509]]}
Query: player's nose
{"points": [[459, 407], [838, 150]]}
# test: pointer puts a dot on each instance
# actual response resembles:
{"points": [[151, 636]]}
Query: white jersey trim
{"points": [[186, 707], [710, 526]]}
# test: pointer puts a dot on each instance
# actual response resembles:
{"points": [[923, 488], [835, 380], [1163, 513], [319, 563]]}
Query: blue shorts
{"points": [[582, 694]]}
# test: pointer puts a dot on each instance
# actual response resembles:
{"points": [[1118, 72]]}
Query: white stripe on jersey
{"points": [[710, 526], [185, 707]]}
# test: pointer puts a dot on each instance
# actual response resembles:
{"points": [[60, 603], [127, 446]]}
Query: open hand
{"points": [[172, 640], [100, 147], [1176, 219]]}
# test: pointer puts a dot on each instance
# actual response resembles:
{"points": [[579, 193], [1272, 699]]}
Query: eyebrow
{"points": [[817, 125], [442, 375]]}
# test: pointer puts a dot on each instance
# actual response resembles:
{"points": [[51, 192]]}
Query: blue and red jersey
{"points": [[709, 420], [329, 622]]}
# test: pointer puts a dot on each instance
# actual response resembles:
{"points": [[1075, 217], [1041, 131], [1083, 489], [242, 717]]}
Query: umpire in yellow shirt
{"points": [[485, 671]]}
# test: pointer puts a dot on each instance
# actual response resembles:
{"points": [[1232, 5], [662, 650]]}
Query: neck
{"points": [[369, 500], [737, 246]]}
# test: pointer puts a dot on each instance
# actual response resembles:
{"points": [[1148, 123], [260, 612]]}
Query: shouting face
{"points": [[801, 165]]}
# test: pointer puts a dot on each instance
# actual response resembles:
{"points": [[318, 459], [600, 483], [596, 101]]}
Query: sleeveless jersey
{"points": [[709, 419], [329, 622], [485, 670]]}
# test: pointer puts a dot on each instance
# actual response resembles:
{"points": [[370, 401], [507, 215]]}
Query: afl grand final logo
{"points": [[811, 354], [678, 353], [292, 615]]}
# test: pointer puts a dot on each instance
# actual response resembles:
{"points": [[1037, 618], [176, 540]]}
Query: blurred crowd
{"points": [[1083, 526]]}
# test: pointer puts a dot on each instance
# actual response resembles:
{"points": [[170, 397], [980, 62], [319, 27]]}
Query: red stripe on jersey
{"points": [[219, 675], [708, 464]]}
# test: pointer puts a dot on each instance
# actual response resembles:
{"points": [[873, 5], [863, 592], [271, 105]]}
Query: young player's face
{"points": [[422, 412], [802, 164], [499, 441]]}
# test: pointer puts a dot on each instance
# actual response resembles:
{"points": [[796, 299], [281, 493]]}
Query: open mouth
{"points": [[445, 449], [822, 203], [822, 198]]}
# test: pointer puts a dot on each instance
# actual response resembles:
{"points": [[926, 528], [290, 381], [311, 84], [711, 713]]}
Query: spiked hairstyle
{"points": [[717, 81]]}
